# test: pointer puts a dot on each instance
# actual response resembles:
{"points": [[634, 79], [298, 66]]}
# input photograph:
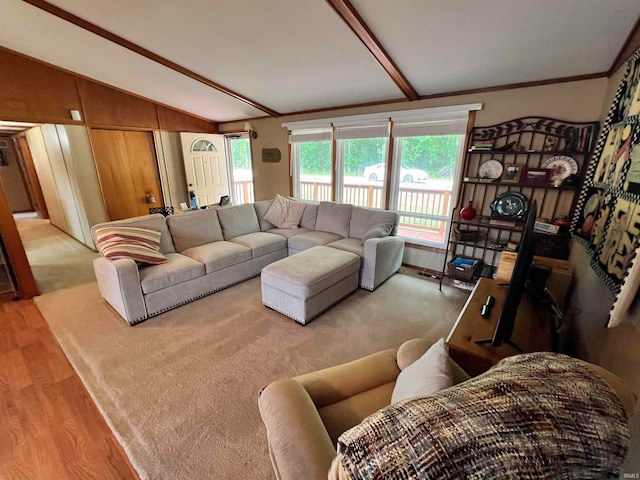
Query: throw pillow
{"points": [[285, 213], [426, 376], [139, 244], [379, 231]]}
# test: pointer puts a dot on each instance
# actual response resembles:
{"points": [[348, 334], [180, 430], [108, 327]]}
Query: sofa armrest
{"points": [[299, 445], [335, 384], [382, 258], [119, 284]]}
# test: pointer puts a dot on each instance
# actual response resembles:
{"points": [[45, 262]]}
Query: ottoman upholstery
{"points": [[308, 283]]}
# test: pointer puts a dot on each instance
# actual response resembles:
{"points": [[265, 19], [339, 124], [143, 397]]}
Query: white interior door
{"points": [[205, 166]]}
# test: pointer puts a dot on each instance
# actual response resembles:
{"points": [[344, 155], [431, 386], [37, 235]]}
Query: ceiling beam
{"points": [[348, 13], [69, 17]]}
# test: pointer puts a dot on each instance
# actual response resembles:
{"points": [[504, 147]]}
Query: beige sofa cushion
{"points": [[334, 218], [288, 232], [310, 215], [307, 240], [218, 255], [261, 208], [178, 269], [238, 220], [364, 220], [261, 243], [352, 245], [192, 229]]}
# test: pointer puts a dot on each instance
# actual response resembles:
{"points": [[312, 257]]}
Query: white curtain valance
{"points": [[310, 135], [449, 126], [399, 116], [366, 131]]}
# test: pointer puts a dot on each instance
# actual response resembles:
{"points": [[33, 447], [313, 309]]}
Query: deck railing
{"points": [[244, 191], [415, 199]]}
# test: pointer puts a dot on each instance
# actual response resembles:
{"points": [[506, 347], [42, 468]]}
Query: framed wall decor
{"points": [[511, 173], [607, 217], [536, 176], [271, 155]]}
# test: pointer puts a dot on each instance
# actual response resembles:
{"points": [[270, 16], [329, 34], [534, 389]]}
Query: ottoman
{"points": [[306, 284]]}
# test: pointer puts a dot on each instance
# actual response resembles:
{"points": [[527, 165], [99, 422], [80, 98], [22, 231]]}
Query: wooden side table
{"points": [[532, 331]]}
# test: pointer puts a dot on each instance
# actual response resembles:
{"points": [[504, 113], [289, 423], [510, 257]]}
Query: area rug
{"points": [[180, 390]]}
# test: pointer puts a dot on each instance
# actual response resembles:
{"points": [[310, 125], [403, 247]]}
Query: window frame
{"points": [[311, 136], [435, 121], [394, 193]]}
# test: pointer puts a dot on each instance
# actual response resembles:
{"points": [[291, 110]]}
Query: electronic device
{"points": [[485, 312], [506, 322], [546, 228]]}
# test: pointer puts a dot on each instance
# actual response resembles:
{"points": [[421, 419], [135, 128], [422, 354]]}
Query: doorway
{"points": [[128, 171], [205, 166], [240, 163]]}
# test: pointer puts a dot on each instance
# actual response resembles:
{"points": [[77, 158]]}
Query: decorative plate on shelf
{"points": [[561, 167], [511, 205], [491, 168]]}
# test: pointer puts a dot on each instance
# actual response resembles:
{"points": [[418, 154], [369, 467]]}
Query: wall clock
{"points": [[491, 168], [510, 205]]}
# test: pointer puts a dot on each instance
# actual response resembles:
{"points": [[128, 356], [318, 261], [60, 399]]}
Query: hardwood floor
{"points": [[49, 426]]}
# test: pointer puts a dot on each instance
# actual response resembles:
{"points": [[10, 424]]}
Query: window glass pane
{"points": [[424, 186], [203, 146], [364, 171], [242, 170], [314, 161]]}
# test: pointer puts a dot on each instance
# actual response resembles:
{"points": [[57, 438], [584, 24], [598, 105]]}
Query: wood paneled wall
{"points": [[32, 91], [17, 257], [106, 106]]}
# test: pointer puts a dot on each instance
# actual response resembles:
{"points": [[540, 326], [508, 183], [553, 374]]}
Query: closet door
{"points": [[45, 176], [128, 171], [62, 180]]}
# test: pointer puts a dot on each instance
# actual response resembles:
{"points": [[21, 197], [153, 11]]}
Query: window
{"points": [[311, 164], [361, 154], [203, 146], [240, 168], [425, 162], [422, 187]]}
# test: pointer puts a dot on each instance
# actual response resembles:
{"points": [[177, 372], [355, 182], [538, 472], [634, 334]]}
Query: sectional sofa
{"points": [[209, 250]]}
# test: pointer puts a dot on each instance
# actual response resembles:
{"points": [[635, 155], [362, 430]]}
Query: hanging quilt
{"points": [[607, 217]]}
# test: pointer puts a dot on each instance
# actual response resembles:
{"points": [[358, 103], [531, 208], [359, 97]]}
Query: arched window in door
{"points": [[203, 146]]}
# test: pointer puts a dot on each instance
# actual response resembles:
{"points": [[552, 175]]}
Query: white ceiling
{"points": [[297, 55]]}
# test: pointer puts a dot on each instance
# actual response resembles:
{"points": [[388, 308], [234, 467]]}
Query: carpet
{"points": [[180, 390]]}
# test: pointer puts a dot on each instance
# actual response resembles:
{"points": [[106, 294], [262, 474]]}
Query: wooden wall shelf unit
{"points": [[549, 149]]}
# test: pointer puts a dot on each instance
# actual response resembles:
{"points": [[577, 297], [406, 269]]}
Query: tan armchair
{"points": [[305, 415]]}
